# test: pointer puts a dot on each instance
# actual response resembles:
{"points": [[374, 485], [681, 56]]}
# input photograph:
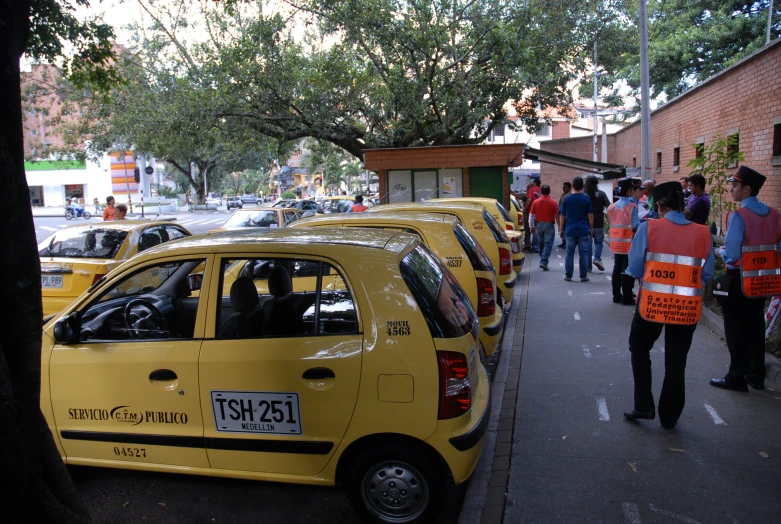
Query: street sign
{"points": [[149, 170]]}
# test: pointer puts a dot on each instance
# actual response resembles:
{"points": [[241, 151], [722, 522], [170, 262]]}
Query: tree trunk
{"points": [[38, 487]]}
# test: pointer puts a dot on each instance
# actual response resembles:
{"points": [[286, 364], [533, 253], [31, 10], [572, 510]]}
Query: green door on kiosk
{"points": [[486, 182]]}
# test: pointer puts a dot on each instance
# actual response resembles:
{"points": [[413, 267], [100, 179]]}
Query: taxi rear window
{"points": [[475, 252], [496, 229], [515, 205], [444, 305], [84, 243], [504, 213]]}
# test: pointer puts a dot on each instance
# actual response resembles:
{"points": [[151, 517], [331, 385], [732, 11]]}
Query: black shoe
{"points": [[628, 303], [756, 384], [725, 383], [562, 246], [617, 300], [640, 415]]}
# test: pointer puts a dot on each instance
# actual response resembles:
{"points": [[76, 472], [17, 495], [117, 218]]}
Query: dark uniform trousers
{"points": [[677, 340], [744, 329], [622, 284]]}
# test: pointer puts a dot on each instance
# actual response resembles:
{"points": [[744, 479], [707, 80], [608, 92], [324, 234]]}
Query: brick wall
{"points": [[745, 97], [560, 130]]}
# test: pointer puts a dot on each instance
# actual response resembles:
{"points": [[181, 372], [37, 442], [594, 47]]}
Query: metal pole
{"points": [[645, 98], [127, 183], [769, 21], [159, 207], [604, 140], [596, 95]]}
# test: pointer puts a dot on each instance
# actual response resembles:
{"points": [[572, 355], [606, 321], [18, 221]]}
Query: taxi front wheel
{"points": [[396, 486]]}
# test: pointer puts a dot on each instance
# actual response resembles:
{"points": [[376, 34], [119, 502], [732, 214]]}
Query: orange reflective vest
{"points": [[760, 263], [620, 228], [671, 291]]}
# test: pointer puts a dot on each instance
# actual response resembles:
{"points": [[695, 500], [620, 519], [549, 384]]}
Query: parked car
{"points": [[455, 246], [303, 205], [263, 217], [236, 202], [214, 201], [310, 367], [249, 199], [74, 258], [339, 204]]}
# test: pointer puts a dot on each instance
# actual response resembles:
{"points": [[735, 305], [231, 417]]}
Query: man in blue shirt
{"points": [[744, 317], [577, 213]]}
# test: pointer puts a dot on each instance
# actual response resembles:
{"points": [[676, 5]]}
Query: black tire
{"points": [[69, 215], [396, 484], [87, 215]]}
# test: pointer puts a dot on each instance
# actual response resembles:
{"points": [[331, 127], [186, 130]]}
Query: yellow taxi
{"points": [[485, 229], [76, 257], [260, 217], [502, 216], [455, 246], [372, 382], [516, 212], [340, 204]]}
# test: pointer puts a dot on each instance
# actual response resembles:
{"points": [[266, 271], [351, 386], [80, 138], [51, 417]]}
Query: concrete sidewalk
{"points": [[559, 450]]}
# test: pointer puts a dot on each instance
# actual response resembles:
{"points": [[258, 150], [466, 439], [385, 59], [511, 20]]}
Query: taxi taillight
{"points": [[505, 261], [455, 389], [97, 277], [515, 243], [486, 300], [520, 219], [509, 227]]}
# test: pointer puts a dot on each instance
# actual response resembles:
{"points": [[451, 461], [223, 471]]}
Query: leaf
{"points": [[763, 454], [633, 465], [161, 504], [126, 504], [677, 450]]}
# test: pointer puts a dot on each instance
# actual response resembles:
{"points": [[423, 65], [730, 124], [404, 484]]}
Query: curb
{"points": [[475, 504], [715, 324]]}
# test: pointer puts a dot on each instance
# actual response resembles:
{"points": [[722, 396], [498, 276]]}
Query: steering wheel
{"points": [[146, 321]]}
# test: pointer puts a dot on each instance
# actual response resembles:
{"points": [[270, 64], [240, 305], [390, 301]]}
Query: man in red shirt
{"points": [[532, 193], [542, 217]]}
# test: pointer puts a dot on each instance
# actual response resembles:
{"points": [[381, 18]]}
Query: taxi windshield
{"points": [[266, 218], [342, 205], [83, 243]]}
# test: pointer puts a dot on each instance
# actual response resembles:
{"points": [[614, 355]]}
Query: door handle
{"points": [[162, 375], [318, 373]]}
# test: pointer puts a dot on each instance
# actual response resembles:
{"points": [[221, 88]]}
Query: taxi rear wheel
{"points": [[404, 486]]}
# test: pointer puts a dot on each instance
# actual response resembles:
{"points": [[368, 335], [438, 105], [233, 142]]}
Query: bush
{"points": [[289, 195]]}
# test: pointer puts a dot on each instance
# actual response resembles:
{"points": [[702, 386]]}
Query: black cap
{"points": [[624, 184], [748, 177], [668, 188]]}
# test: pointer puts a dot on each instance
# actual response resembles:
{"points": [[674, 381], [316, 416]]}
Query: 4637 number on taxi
{"points": [[256, 412]]}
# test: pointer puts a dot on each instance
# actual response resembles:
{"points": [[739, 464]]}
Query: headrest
{"points": [[279, 283], [148, 241], [244, 295]]}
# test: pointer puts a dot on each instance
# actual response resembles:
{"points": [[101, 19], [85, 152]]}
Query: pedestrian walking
{"points": [[96, 203], [674, 257], [698, 205], [624, 221], [599, 203], [533, 192], [578, 215], [542, 220], [120, 211], [566, 189], [108, 211], [751, 253], [358, 206]]}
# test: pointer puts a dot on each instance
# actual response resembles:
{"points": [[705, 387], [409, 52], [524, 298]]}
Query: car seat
{"points": [[148, 240], [279, 309], [247, 317]]}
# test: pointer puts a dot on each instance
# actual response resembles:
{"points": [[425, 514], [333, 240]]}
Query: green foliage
{"points": [[289, 194], [166, 192], [714, 161]]}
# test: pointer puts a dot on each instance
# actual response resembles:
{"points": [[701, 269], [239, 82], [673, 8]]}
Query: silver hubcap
{"points": [[395, 491]]}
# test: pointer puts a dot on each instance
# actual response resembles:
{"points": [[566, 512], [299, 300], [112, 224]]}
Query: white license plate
{"points": [[256, 412], [51, 280]]}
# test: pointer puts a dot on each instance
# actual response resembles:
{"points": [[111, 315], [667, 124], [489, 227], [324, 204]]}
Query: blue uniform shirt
{"points": [[639, 248], [625, 201], [736, 232]]}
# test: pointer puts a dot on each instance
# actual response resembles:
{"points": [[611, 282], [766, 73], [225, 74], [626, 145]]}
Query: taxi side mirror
{"points": [[195, 281], [66, 329]]}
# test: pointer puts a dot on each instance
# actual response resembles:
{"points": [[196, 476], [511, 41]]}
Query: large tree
{"points": [[36, 487]]}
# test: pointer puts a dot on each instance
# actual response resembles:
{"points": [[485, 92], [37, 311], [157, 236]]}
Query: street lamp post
{"points": [[596, 95], [645, 98]]}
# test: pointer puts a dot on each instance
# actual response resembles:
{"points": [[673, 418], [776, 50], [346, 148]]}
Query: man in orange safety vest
{"points": [[751, 253], [624, 221], [674, 257]]}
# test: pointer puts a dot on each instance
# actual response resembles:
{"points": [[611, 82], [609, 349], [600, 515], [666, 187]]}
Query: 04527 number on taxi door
{"points": [[256, 412]]}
